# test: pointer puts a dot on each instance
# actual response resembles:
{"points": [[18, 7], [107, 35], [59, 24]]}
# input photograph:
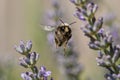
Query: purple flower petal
{"points": [[80, 16], [42, 69], [26, 76], [47, 73], [29, 45]]}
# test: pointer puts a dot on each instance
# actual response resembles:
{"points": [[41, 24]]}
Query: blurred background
{"points": [[21, 19]]}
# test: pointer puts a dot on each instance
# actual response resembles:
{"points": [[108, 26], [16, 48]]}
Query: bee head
{"points": [[64, 24], [65, 27]]}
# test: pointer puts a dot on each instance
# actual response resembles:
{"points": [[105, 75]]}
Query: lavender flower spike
{"points": [[29, 61], [109, 53]]}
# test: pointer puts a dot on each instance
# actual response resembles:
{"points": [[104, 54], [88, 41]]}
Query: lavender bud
{"points": [[108, 58], [109, 39], [98, 25], [118, 76], [33, 57], [108, 63], [20, 48], [103, 44], [104, 61], [89, 27], [97, 43], [93, 46], [100, 62], [116, 55], [109, 77], [81, 14], [24, 49], [91, 9], [94, 9], [28, 45], [27, 75], [24, 62], [86, 31], [101, 31], [117, 47], [100, 54]]}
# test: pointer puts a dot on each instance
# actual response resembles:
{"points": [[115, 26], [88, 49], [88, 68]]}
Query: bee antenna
{"points": [[72, 23], [61, 21]]}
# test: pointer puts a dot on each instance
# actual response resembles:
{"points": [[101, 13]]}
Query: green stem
{"points": [[114, 67], [111, 71], [32, 68], [90, 22]]}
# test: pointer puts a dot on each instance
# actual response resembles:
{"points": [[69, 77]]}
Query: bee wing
{"points": [[49, 28]]}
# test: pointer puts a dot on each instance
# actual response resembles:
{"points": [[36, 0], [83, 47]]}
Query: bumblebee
{"points": [[62, 34]]}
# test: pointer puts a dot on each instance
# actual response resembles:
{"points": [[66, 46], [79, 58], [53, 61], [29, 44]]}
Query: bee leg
{"points": [[56, 45], [64, 48], [65, 44], [56, 42]]}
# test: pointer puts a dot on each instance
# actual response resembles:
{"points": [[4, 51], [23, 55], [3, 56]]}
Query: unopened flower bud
{"points": [[24, 62], [100, 62], [86, 31], [118, 76], [93, 46], [91, 9], [100, 54], [81, 14], [116, 56], [27, 76], [28, 45], [94, 8], [23, 48], [33, 57], [109, 39], [98, 25]]}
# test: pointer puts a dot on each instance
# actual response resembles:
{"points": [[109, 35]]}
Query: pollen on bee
{"points": [[66, 29]]}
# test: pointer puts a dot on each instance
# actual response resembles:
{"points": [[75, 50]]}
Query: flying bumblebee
{"points": [[62, 33]]}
